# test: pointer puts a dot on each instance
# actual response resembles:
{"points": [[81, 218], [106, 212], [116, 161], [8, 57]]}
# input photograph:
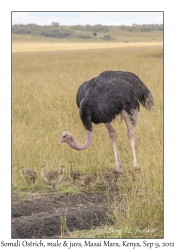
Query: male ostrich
{"points": [[104, 97]]}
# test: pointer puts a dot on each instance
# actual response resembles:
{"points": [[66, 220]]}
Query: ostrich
{"points": [[102, 99], [74, 174], [29, 175], [107, 178], [89, 180], [52, 177]]}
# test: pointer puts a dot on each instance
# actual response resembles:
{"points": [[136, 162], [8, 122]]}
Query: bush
{"points": [[107, 37], [83, 36]]}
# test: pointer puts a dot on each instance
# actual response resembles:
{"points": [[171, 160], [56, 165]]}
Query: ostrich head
{"points": [[62, 167], [43, 168], [66, 136]]}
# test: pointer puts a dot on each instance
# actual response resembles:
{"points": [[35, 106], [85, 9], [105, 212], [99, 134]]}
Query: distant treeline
{"points": [[78, 31], [142, 28]]}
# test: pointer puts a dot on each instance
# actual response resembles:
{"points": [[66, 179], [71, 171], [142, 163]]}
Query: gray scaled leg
{"points": [[112, 135], [130, 134]]}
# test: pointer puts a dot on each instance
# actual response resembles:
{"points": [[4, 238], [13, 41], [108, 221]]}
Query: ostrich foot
{"points": [[120, 169], [137, 168]]}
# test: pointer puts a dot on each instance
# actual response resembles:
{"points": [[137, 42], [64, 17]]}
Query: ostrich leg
{"points": [[112, 135], [130, 134]]}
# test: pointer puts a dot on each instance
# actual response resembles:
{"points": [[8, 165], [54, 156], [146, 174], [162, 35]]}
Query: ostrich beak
{"points": [[60, 142]]}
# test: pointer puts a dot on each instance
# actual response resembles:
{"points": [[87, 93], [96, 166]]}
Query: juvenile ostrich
{"points": [[29, 175], [104, 97], [52, 177], [73, 173], [107, 178], [89, 180]]}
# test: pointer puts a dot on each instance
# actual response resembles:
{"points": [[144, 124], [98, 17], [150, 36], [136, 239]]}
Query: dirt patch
{"points": [[53, 215]]}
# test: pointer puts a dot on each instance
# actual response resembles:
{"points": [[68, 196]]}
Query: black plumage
{"points": [[102, 98]]}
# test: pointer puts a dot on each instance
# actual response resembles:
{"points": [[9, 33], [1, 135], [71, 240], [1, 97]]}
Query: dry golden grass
{"points": [[57, 46], [43, 104]]}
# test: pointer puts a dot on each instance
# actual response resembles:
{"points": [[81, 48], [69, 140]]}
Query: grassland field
{"points": [[44, 85]]}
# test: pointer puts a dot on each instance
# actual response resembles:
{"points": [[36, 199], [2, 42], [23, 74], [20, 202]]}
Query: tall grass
{"points": [[44, 86]]}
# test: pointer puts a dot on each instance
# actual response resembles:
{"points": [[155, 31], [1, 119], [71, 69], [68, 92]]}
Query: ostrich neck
{"points": [[43, 172], [88, 142]]}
